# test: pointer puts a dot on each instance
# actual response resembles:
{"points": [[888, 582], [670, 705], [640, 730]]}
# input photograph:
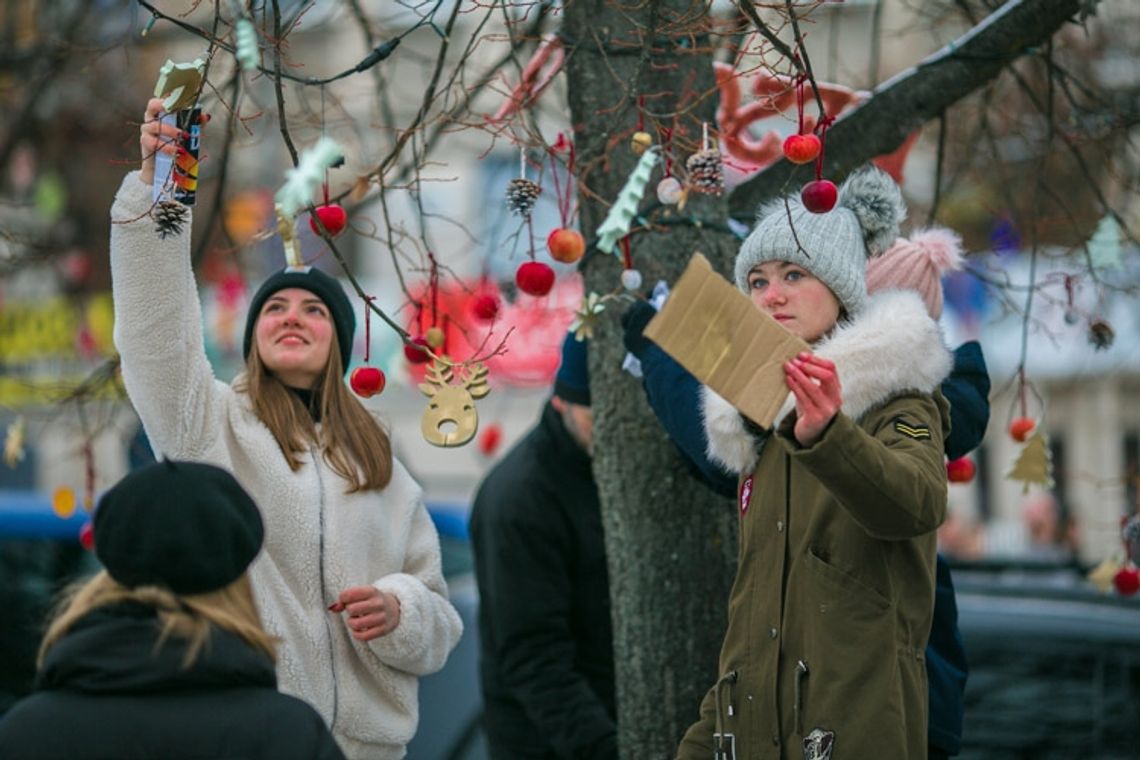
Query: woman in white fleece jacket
{"points": [[350, 577]]}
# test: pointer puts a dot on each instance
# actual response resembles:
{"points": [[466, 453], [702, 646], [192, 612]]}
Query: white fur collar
{"points": [[893, 347]]}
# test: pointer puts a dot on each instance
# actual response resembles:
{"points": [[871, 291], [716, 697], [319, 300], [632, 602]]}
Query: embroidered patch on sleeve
{"points": [[917, 432]]}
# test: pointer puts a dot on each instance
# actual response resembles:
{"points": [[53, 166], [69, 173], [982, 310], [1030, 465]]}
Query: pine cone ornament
{"points": [[706, 173], [1101, 334], [169, 216], [521, 196]]}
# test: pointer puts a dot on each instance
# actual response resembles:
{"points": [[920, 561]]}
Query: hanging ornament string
{"points": [[433, 287], [640, 113], [667, 149], [367, 325], [799, 85], [821, 131], [626, 255]]}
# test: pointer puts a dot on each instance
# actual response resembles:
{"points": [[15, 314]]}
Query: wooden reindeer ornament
{"points": [[451, 418]]}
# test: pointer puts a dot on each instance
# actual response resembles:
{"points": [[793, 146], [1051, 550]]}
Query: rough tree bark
{"points": [[672, 544]]}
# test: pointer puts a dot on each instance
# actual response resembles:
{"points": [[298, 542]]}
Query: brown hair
{"points": [[231, 608], [355, 445]]}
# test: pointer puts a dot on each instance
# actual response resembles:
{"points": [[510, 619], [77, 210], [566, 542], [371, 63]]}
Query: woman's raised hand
{"points": [[815, 385], [155, 136], [370, 612]]}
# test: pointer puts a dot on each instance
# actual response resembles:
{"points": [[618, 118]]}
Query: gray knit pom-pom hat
{"points": [[834, 246]]}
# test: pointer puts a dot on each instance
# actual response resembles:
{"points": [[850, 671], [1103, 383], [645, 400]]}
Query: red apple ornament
{"points": [[960, 470], [366, 381], [485, 307], [413, 351], [1020, 428], [534, 278], [332, 216], [801, 149], [1127, 580], [819, 196], [566, 245]]}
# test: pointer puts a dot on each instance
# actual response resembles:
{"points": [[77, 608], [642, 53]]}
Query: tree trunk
{"points": [[671, 542]]}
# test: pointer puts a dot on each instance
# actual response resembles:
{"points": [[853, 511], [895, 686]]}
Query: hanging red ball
{"points": [[1020, 428], [1127, 580], [801, 149], [819, 196], [960, 470], [566, 245], [332, 216], [534, 278], [413, 351], [485, 307], [489, 440], [367, 381], [87, 536]]}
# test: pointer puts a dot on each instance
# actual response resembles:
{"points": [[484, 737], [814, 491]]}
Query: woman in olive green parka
{"points": [[831, 607]]}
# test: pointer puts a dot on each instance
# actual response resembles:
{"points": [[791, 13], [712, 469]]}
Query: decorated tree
{"points": [[653, 130]]}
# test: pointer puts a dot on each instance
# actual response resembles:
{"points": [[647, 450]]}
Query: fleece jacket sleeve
{"points": [[158, 331]]}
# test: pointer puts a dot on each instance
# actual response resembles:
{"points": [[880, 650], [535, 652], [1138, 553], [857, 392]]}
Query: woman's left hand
{"points": [[815, 385], [371, 613]]}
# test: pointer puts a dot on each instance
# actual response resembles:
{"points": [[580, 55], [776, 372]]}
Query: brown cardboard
{"points": [[717, 333]]}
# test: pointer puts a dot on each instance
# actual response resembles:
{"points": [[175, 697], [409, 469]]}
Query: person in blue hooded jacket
{"points": [[915, 264]]}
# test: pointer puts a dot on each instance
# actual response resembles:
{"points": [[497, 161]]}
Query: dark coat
{"points": [[105, 692], [544, 619], [673, 394]]}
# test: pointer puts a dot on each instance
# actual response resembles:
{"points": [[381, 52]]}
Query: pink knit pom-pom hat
{"points": [[917, 263]]}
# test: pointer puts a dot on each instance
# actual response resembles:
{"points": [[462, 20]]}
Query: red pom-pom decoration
{"points": [[801, 149], [413, 351], [534, 278], [1126, 581], [819, 196], [490, 439], [366, 381], [960, 470], [332, 216], [1020, 428], [485, 307], [566, 245]]}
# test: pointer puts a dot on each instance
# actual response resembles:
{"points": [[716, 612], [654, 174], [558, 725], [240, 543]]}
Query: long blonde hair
{"points": [[355, 445], [231, 608]]}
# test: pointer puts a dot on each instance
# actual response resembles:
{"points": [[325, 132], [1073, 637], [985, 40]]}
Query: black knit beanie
{"points": [[323, 287], [187, 526]]}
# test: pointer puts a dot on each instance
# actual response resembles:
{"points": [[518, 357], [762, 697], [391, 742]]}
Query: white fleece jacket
{"points": [[318, 539], [894, 346]]}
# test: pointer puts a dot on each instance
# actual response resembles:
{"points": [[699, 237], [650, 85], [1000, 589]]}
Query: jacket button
{"points": [[779, 526], [772, 633]]}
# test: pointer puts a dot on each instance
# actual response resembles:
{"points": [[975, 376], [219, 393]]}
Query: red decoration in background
{"points": [[534, 278], [1127, 580], [819, 196], [960, 470], [489, 439], [537, 327], [87, 536], [485, 307], [367, 381], [1020, 428], [774, 95], [332, 216], [413, 351]]}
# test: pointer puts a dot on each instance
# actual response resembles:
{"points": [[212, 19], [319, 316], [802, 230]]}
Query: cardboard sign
{"points": [[717, 333]]}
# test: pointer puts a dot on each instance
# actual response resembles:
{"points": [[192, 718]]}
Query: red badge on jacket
{"points": [[745, 495]]}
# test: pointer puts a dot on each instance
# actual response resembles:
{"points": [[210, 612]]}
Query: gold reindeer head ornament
{"points": [[451, 418]]}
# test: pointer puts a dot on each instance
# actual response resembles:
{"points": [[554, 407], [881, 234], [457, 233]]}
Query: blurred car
{"points": [[1054, 664]]}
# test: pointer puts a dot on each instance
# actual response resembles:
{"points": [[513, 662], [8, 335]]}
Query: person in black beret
{"points": [[546, 638], [162, 654], [351, 580]]}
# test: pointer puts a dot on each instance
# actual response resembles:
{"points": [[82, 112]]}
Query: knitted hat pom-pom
{"points": [[877, 203], [942, 247]]}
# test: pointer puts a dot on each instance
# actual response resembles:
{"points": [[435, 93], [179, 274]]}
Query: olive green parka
{"points": [[831, 607]]}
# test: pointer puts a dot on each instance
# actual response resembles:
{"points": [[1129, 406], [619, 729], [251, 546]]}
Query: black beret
{"points": [[184, 525], [323, 287]]}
